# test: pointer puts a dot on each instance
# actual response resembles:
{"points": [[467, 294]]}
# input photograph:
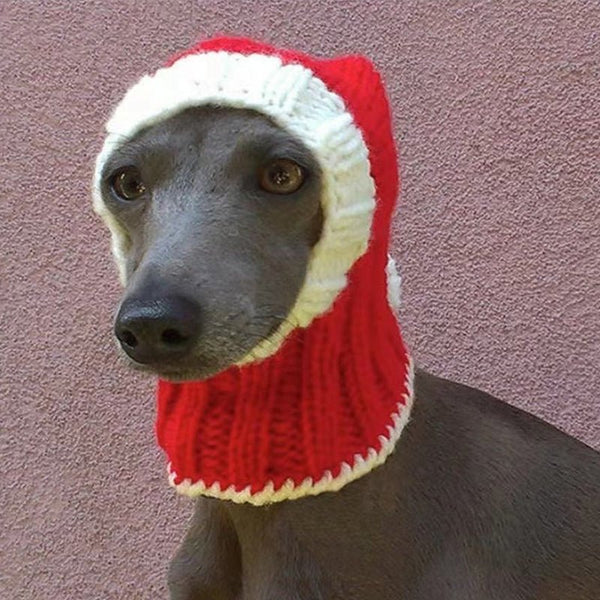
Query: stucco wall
{"points": [[497, 110]]}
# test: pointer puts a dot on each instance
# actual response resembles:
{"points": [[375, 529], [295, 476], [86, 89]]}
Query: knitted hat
{"points": [[323, 400]]}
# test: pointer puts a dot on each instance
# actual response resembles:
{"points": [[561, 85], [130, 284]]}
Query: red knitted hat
{"points": [[324, 399]]}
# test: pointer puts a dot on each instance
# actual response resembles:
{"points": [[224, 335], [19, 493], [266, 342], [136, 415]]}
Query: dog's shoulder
{"points": [[522, 491], [484, 419]]}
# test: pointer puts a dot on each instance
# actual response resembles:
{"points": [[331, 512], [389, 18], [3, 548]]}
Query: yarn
{"points": [[324, 399]]}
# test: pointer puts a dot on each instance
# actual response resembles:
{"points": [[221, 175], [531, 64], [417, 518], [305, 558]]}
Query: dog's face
{"points": [[221, 208]]}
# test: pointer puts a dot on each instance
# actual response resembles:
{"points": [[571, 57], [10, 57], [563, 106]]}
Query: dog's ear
{"points": [[355, 79]]}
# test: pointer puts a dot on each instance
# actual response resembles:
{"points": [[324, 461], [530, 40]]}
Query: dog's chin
{"points": [[181, 376], [179, 373]]}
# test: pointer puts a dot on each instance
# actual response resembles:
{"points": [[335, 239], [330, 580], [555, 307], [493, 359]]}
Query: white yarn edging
{"points": [[328, 483], [298, 101], [394, 284]]}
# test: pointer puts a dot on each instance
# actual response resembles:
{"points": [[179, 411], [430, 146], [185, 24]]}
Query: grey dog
{"points": [[479, 500]]}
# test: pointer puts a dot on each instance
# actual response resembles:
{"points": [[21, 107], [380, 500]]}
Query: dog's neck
{"points": [[324, 410]]}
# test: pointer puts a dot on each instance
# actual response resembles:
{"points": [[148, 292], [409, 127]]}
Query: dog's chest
{"points": [[275, 563], [316, 548]]}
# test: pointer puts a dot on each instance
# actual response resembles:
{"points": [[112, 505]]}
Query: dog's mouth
{"points": [[177, 375], [202, 368]]}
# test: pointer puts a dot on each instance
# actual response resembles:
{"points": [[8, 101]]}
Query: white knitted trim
{"points": [[394, 284], [328, 483], [300, 103]]}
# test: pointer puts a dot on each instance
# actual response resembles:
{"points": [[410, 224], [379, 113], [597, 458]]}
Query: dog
{"points": [[218, 209]]}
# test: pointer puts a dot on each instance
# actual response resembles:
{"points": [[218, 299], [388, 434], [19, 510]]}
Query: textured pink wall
{"points": [[498, 113]]}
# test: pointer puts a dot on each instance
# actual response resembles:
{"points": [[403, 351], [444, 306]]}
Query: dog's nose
{"points": [[157, 330]]}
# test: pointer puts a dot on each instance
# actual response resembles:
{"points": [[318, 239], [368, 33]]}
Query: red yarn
{"points": [[330, 391]]}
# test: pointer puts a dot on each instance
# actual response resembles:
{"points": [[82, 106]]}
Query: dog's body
{"points": [[479, 500]]}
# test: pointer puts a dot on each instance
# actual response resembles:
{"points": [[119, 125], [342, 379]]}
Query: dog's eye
{"points": [[281, 176], [127, 183]]}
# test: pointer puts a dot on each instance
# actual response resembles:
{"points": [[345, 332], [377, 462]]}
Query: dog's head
{"points": [[220, 208], [239, 191]]}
